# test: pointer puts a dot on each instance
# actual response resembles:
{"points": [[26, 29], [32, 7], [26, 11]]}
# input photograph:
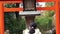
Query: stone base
{"points": [[25, 13]]}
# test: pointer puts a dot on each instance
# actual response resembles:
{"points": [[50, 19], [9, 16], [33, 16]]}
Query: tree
{"points": [[12, 21], [44, 21]]}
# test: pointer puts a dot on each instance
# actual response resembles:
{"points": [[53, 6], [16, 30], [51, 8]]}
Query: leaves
{"points": [[44, 22]]}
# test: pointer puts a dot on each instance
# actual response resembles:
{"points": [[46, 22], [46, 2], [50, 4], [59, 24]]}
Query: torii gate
{"points": [[3, 9]]}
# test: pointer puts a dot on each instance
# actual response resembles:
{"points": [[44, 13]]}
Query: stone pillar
{"points": [[29, 19]]}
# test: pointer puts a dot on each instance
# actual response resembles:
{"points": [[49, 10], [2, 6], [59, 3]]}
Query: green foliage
{"points": [[15, 26], [49, 4], [44, 21], [12, 24]]}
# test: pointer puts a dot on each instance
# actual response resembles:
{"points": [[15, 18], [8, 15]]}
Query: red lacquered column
{"points": [[57, 17], [1, 18]]}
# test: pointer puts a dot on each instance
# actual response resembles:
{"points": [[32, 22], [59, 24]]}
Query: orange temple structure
{"points": [[4, 9]]}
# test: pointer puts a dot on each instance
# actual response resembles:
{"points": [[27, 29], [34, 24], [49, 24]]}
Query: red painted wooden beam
{"points": [[45, 8], [45, 0], [21, 9], [11, 2], [12, 9]]}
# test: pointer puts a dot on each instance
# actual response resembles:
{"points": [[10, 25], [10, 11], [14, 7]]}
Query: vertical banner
{"points": [[1, 18]]}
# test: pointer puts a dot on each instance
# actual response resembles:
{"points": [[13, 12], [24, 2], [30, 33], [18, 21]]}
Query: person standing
{"points": [[32, 29]]}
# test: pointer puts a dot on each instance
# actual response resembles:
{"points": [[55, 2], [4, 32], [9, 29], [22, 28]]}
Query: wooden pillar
{"points": [[57, 18], [1, 18], [29, 19]]}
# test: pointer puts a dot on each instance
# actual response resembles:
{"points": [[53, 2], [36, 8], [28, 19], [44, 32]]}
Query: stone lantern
{"points": [[29, 11]]}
